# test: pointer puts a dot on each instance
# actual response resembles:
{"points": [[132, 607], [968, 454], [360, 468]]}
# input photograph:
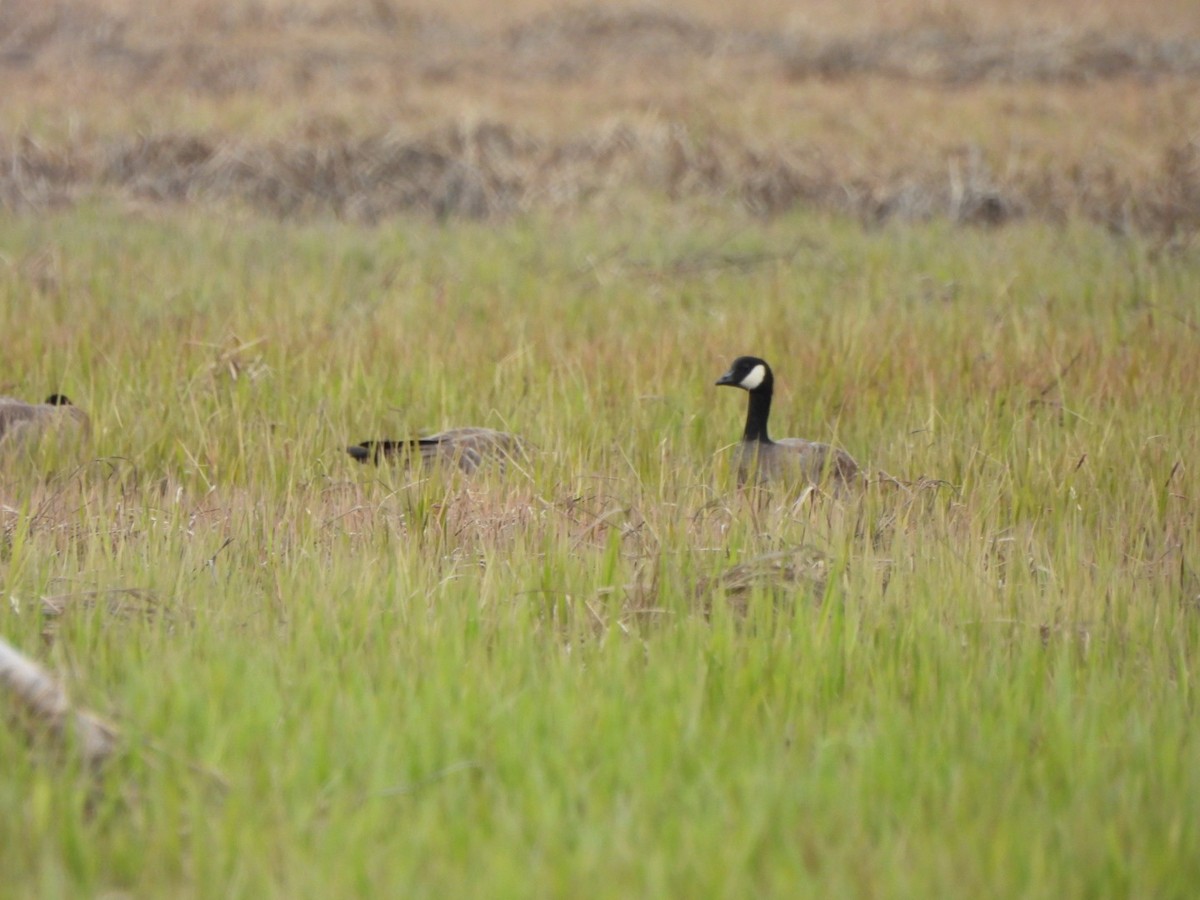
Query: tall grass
{"points": [[606, 672]]}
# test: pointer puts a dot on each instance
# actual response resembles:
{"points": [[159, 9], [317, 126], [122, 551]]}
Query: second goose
{"points": [[466, 448], [19, 419], [788, 459]]}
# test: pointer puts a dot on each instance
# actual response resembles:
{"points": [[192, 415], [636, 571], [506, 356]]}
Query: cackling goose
{"points": [[761, 459]]}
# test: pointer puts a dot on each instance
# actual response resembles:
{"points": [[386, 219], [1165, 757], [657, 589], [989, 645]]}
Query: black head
{"points": [[377, 451], [748, 373], [58, 400], [364, 452]]}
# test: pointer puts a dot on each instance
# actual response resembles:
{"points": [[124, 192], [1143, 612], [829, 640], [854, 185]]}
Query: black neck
{"points": [[756, 415]]}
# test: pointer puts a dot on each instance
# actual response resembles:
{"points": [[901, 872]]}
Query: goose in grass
{"points": [[19, 420], [787, 460], [466, 448]]}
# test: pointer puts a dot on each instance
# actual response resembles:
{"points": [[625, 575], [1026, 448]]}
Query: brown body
{"points": [[466, 448], [20, 420]]}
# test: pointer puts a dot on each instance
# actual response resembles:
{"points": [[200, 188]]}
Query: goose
{"points": [[467, 448], [761, 459], [20, 418]]}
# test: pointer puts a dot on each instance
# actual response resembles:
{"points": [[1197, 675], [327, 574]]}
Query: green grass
{"points": [[343, 681]]}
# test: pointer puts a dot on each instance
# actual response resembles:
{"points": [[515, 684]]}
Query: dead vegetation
{"points": [[366, 112], [489, 171], [207, 49], [457, 525], [781, 572], [960, 56]]}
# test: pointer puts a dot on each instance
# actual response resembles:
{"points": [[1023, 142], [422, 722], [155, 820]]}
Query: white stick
{"points": [[37, 692]]}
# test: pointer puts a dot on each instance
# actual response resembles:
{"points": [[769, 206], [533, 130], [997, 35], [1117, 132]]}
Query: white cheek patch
{"points": [[754, 378]]}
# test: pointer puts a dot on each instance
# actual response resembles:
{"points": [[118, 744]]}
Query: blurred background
{"points": [[981, 112]]}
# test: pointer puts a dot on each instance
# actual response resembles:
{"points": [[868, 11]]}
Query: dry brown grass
{"points": [[979, 112], [1167, 17], [490, 170]]}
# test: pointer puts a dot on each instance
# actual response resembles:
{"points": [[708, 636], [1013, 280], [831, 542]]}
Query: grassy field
{"points": [[606, 671]]}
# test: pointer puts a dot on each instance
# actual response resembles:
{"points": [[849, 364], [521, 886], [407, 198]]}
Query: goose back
{"points": [[21, 421], [468, 449]]}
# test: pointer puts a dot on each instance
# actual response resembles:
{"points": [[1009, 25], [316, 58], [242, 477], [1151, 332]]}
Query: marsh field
{"points": [[243, 235]]}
